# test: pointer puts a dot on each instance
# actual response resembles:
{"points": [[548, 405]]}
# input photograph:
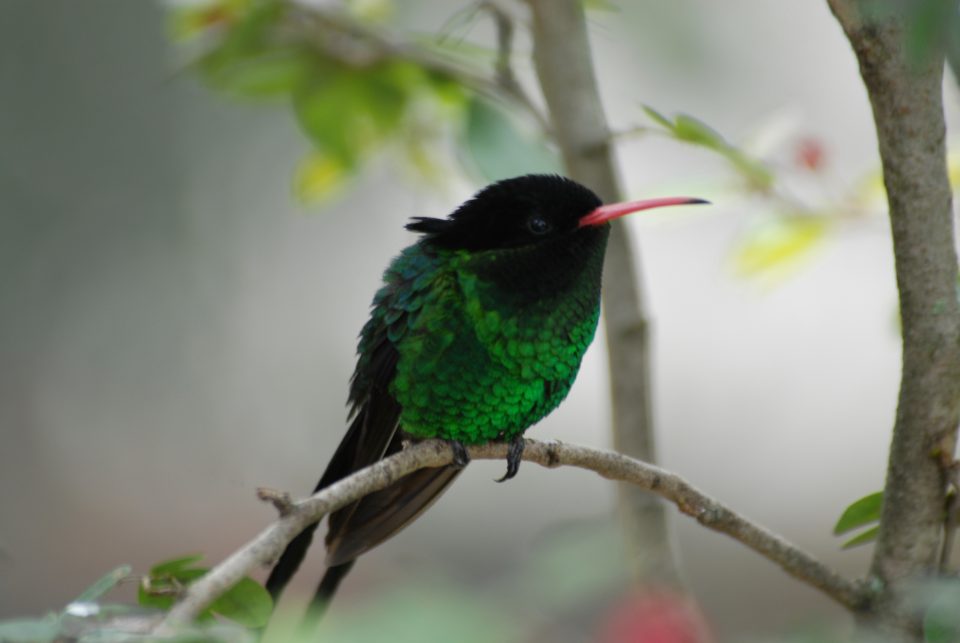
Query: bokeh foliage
{"points": [[355, 93]]}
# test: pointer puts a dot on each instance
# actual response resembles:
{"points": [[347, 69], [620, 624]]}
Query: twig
{"points": [[432, 453], [503, 67], [281, 500]]}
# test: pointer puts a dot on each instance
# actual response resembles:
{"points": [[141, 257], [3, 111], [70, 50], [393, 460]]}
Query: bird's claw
{"points": [[514, 456], [460, 456]]}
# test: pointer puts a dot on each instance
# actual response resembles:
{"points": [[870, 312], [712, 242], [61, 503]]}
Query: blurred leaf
{"points": [[929, 23], [174, 565], [691, 130], [192, 20], [600, 5], [864, 511], [455, 615], [576, 563], [249, 32], [318, 177], [248, 603], [371, 10], [248, 61], [103, 585], [162, 590], [868, 536], [273, 73], [498, 149], [658, 117], [467, 53], [345, 111], [779, 242], [953, 169], [30, 630], [938, 600]]}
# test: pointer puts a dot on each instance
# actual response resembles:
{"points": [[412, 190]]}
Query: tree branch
{"points": [[561, 52], [270, 542], [908, 113]]}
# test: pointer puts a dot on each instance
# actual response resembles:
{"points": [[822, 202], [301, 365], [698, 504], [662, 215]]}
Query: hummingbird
{"points": [[476, 334]]}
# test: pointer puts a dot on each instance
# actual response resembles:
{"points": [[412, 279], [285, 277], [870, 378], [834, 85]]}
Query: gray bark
{"points": [[564, 66]]}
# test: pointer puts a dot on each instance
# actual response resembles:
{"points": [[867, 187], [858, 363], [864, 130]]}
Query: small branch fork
{"points": [[265, 547]]}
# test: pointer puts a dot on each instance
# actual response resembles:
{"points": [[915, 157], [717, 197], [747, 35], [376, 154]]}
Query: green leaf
{"points": [[161, 590], [692, 130], [929, 24], [103, 585], [498, 149], [938, 599], [30, 630], [246, 40], [175, 564], [658, 117], [247, 603], [273, 73], [346, 112], [864, 511], [868, 536]]}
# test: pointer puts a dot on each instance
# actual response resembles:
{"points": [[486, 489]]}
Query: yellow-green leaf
{"points": [[779, 243], [318, 177], [953, 169]]}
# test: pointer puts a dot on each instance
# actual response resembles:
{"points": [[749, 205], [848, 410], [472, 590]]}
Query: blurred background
{"points": [[177, 326]]}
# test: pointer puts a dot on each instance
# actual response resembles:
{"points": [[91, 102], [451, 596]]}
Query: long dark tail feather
{"points": [[324, 594], [355, 451], [364, 524], [379, 515]]}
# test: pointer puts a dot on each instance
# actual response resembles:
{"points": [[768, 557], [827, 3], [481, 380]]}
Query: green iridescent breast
{"points": [[488, 342]]}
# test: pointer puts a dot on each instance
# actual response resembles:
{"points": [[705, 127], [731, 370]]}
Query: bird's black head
{"points": [[515, 212]]}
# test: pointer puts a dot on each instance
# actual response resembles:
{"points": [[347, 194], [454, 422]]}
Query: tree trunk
{"points": [[564, 68], [908, 113]]}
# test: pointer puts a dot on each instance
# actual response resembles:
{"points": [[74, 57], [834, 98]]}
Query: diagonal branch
{"points": [[434, 453]]}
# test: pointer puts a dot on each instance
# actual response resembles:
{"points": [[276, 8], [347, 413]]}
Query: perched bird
{"points": [[476, 334]]}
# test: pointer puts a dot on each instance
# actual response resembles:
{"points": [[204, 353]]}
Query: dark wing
{"points": [[373, 435], [372, 429]]}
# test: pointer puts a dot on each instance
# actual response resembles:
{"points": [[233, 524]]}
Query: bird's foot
{"points": [[514, 456], [460, 456]]}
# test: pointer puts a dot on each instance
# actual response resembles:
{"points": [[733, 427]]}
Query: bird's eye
{"points": [[538, 225]]}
